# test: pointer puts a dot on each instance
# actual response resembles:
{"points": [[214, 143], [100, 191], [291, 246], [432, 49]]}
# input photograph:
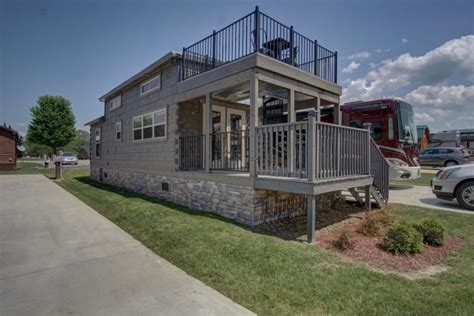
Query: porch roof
{"points": [[95, 121]]}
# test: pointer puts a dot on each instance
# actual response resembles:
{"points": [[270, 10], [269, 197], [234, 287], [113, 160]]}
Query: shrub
{"points": [[370, 226], [403, 239], [384, 218], [343, 242], [432, 231]]}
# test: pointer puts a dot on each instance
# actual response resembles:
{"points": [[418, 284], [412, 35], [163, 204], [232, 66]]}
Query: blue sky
{"points": [[422, 51]]}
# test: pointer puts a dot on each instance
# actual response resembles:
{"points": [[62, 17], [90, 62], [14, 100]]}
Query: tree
{"points": [[36, 150], [53, 122], [80, 145]]}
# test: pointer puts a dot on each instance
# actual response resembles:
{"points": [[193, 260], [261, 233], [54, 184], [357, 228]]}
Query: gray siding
{"points": [[147, 155]]}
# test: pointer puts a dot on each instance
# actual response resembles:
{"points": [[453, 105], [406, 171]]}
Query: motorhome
{"points": [[393, 129]]}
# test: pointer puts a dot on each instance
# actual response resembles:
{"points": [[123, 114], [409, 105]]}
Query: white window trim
{"points": [[148, 81], [153, 138], [117, 98], [118, 124]]}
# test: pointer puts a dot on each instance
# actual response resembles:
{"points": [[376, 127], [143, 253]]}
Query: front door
{"points": [[229, 139], [236, 144]]}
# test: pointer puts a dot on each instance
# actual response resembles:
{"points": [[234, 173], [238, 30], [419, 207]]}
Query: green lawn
{"points": [[424, 180], [271, 276], [26, 167]]}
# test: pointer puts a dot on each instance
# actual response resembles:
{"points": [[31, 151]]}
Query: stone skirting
{"points": [[240, 203]]}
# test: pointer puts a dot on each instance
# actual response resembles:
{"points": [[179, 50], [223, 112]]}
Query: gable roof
{"points": [[96, 120], [141, 75], [10, 130]]}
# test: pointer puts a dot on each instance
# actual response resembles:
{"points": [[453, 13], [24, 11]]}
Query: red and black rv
{"points": [[393, 129]]}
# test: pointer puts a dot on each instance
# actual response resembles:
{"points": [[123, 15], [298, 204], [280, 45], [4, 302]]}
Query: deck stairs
{"points": [[358, 195]]}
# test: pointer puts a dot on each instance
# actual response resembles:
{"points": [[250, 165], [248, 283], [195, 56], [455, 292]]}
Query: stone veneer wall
{"points": [[241, 203]]}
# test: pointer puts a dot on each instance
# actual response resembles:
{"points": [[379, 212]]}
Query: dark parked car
{"points": [[444, 156]]}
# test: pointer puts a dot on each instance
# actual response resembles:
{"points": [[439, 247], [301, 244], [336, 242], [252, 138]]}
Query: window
{"points": [[150, 85], [150, 126], [391, 131], [118, 130], [98, 133], [115, 103], [355, 123], [377, 130], [444, 151]]}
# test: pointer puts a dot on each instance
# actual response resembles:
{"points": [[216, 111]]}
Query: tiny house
{"points": [[8, 142], [216, 127]]}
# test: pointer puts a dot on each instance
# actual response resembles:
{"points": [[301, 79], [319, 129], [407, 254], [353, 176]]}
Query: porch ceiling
{"points": [[241, 93]]}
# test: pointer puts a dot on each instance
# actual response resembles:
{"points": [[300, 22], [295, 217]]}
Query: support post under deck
{"points": [[311, 218], [311, 166], [368, 205]]}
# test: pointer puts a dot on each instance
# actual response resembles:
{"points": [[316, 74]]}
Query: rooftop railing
{"points": [[258, 33]]}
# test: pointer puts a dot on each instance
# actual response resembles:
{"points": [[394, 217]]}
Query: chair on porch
{"points": [[287, 58], [264, 50]]}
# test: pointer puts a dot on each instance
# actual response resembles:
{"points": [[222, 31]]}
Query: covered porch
{"points": [[269, 128], [227, 129]]}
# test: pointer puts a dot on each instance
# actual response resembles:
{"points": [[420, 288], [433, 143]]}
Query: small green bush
{"points": [[343, 242], [403, 239], [384, 218], [370, 226], [432, 231]]}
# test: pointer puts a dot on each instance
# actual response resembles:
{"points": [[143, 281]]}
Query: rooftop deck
{"points": [[259, 33]]}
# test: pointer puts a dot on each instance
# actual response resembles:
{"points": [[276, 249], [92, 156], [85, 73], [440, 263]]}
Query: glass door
{"points": [[236, 146], [218, 137]]}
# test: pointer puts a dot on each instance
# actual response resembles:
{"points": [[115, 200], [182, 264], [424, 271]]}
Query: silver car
{"points": [[455, 182], [69, 159], [443, 156]]}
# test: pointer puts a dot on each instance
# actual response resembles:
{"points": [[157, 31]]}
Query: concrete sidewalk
{"points": [[58, 256], [422, 196]]}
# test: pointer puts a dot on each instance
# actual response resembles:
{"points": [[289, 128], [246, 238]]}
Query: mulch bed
{"points": [[369, 249]]}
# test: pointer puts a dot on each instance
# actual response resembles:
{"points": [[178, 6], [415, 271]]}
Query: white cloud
{"points": [[423, 118], [360, 55], [380, 50], [404, 40], [442, 96], [351, 67], [432, 81], [453, 58], [443, 106]]}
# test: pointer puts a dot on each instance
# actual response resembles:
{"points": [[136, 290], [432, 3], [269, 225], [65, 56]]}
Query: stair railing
{"points": [[379, 170]]}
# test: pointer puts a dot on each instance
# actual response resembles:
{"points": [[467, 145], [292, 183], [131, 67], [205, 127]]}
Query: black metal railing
{"points": [[258, 33], [191, 152]]}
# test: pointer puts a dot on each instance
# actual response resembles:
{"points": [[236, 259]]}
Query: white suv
{"points": [[455, 182]]}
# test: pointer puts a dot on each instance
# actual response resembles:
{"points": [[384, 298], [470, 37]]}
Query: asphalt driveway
{"points": [[58, 256]]}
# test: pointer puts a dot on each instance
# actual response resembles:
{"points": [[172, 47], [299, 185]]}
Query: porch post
{"points": [[311, 170], [337, 114], [253, 115], [207, 129], [311, 217], [311, 146], [291, 144], [318, 109]]}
